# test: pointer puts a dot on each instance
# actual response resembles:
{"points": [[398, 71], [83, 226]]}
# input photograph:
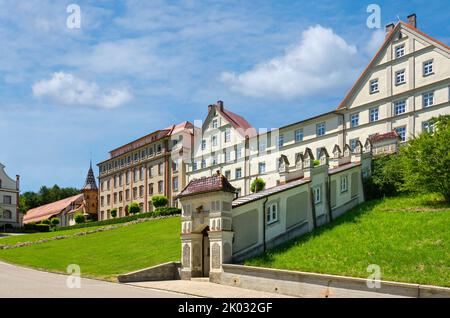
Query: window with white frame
{"points": [[203, 144], [238, 152], [427, 67], [400, 77], [320, 129], [175, 183], [238, 173], [203, 164], [373, 114], [215, 160], [280, 140], [194, 166], [298, 135], [399, 51], [272, 213], [214, 141], [428, 99], [317, 195], [344, 183], [228, 174], [427, 126], [227, 135], [401, 131], [354, 120], [374, 86], [400, 107], [262, 167], [353, 143], [263, 143], [227, 156], [214, 123]]}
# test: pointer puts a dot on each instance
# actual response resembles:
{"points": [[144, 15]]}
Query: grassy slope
{"points": [[409, 238], [107, 254]]}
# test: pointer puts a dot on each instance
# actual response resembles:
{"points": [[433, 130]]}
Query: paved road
{"points": [[23, 282]]}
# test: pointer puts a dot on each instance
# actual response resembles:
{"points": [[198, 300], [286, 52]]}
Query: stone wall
{"points": [[301, 284], [166, 271]]}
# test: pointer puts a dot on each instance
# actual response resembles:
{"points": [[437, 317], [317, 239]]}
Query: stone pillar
{"points": [[221, 250]]}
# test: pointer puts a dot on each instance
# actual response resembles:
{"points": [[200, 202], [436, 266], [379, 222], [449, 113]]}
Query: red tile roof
{"points": [[238, 122], [380, 137], [47, 211], [217, 182]]}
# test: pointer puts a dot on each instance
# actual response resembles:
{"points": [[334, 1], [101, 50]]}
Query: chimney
{"points": [[218, 173], [412, 20], [18, 182], [389, 28], [210, 107], [220, 104]]}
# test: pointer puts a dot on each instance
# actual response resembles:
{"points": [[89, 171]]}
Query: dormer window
{"points": [[214, 123], [399, 51]]}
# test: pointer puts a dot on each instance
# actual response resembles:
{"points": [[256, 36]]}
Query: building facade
{"points": [[151, 165], [9, 200], [219, 228], [405, 85]]}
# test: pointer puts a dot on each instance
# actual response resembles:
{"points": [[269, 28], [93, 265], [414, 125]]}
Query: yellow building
{"points": [[151, 165]]}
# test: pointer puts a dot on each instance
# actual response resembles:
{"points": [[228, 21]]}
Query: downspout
{"points": [[264, 223], [330, 214]]}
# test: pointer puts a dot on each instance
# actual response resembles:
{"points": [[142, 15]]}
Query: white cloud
{"points": [[70, 90], [376, 39], [321, 61]]}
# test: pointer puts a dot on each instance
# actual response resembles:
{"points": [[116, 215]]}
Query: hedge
{"points": [[37, 227], [158, 212]]}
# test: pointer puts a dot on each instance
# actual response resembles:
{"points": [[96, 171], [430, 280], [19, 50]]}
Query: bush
{"points": [[316, 162], [159, 201], [427, 160], [54, 221], [79, 218], [114, 212], [46, 222], [387, 177], [164, 211], [257, 185], [156, 213], [134, 208], [7, 226], [43, 227]]}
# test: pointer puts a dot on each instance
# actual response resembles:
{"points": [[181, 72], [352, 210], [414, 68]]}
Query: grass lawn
{"points": [[105, 254], [408, 237], [13, 239]]}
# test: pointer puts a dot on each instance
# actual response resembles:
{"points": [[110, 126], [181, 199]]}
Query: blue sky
{"points": [[137, 66]]}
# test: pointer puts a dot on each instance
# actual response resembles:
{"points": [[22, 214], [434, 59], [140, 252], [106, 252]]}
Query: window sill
{"points": [[374, 92], [426, 75], [400, 84]]}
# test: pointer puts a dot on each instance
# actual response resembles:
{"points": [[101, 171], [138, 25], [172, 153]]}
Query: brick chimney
{"points": [[17, 182], [220, 104], [412, 20], [389, 28]]}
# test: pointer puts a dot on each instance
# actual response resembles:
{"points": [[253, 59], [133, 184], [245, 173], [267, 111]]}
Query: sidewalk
{"points": [[205, 289]]}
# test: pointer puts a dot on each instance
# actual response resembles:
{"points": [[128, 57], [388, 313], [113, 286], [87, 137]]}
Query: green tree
{"points": [[159, 201], [30, 200], [427, 160], [114, 212], [54, 222], [79, 218], [134, 208], [257, 185]]}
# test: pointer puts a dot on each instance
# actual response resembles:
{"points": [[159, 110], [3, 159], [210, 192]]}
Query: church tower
{"points": [[90, 192]]}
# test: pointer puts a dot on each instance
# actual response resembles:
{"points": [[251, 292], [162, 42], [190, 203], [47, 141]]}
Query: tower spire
{"points": [[90, 183]]}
